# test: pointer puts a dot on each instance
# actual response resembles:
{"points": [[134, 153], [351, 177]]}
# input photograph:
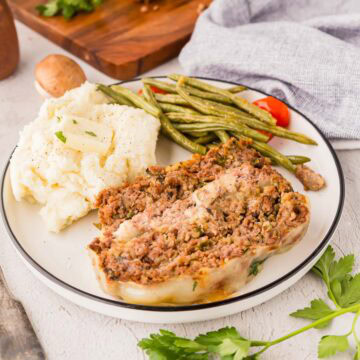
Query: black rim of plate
{"points": [[192, 307]]}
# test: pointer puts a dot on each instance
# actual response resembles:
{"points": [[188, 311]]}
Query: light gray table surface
{"points": [[69, 332]]}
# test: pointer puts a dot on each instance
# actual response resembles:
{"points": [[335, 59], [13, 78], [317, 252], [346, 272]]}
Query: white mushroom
{"points": [[56, 74]]}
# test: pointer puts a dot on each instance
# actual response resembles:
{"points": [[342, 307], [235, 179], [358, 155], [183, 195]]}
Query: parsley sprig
{"points": [[67, 8], [227, 344]]}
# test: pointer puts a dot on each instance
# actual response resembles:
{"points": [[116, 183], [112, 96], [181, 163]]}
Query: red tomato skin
{"points": [[157, 90], [276, 108], [154, 89]]}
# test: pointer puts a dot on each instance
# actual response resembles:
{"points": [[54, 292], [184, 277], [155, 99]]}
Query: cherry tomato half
{"points": [[154, 89], [276, 108]]}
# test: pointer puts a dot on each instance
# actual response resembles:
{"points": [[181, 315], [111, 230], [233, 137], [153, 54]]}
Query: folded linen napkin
{"points": [[306, 52]]}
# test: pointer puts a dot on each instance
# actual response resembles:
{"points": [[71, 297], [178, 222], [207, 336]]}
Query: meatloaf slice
{"points": [[208, 243], [166, 185]]}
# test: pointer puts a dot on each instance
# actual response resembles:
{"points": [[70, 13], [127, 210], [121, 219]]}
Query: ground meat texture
{"points": [[242, 208], [309, 178], [166, 185]]}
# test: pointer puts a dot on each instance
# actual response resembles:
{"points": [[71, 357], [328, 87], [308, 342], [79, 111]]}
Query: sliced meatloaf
{"points": [[166, 185], [208, 239]]}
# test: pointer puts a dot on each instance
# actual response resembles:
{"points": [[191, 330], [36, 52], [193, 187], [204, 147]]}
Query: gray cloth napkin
{"points": [[306, 52]]}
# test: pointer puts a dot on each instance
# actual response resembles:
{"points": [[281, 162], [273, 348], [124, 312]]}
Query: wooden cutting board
{"points": [[117, 38]]}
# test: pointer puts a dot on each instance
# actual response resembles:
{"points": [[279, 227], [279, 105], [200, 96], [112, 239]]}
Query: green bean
{"points": [[244, 119], [275, 130], [217, 109], [273, 154], [176, 108], [200, 85], [229, 124], [169, 129], [213, 145], [206, 139], [192, 128], [193, 118], [226, 110], [171, 99], [195, 127], [118, 98], [211, 108], [241, 103], [171, 88], [208, 95], [242, 137], [284, 133], [137, 100], [198, 104], [199, 134], [236, 89], [168, 87], [222, 135], [297, 159]]}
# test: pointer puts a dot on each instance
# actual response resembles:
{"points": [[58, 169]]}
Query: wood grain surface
{"points": [[117, 38]]}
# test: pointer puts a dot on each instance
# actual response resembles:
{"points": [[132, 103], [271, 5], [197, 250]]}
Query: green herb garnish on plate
{"points": [[227, 344], [60, 136]]}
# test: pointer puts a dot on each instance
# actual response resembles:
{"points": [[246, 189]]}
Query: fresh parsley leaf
{"points": [[68, 11], [336, 289], [216, 337], [60, 136], [168, 346], [190, 345], [336, 277], [322, 267], [329, 345], [357, 354], [90, 133], [49, 9], [228, 344], [195, 284], [316, 311], [68, 8], [75, 122], [238, 348], [338, 269], [351, 291]]}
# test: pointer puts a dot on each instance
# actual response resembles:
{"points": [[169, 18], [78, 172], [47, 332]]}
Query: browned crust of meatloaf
{"points": [[230, 229], [166, 185]]}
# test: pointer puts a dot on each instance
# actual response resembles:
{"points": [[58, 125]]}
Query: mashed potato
{"points": [[77, 146]]}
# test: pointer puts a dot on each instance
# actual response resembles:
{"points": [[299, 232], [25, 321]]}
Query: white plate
{"points": [[62, 263]]}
